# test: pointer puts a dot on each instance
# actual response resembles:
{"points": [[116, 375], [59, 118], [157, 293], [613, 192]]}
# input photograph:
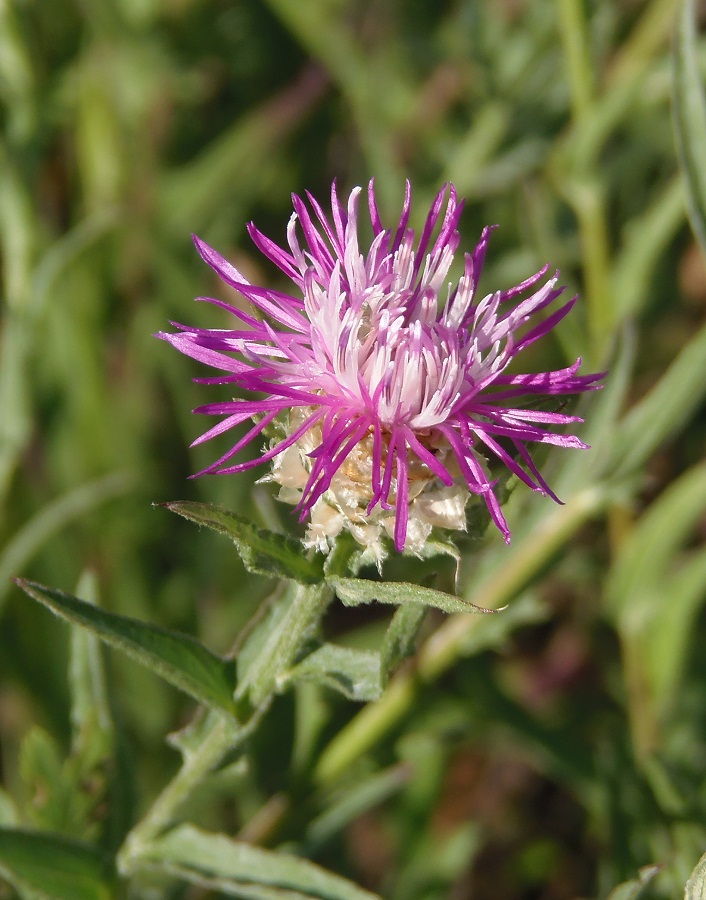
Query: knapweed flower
{"points": [[388, 388]]}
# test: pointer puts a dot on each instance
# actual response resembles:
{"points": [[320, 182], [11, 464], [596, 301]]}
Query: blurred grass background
{"points": [[128, 124]]}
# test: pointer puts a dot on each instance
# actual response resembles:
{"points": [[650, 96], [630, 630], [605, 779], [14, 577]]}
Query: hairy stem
{"points": [[221, 734]]}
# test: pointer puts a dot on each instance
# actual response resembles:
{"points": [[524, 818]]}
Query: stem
{"points": [[572, 25], [298, 624], [220, 734], [589, 205], [447, 644]]}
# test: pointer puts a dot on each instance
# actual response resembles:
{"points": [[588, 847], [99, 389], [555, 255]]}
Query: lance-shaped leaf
{"points": [[263, 552], [353, 673], [355, 591], [696, 885], [362, 674], [655, 588], [663, 411], [633, 890], [690, 118], [178, 658], [241, 870], [351, 802], [54, 866]]}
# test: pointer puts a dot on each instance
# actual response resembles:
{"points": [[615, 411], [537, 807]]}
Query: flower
{"points": [[386, 396]]}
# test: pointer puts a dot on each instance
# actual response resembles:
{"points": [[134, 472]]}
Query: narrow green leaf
{"points": [[400, 637], [646, 238], [671, 636], [653, 592], [98, 777], [653, 544], [353, 673], [663, 411], [52, 518], [632, 890], [241, 870], [355, 591], [178, 658], [90, 711], [602, 412], [696, 886], [362, 795], [263, 552], [60, 869], [690, 118]]}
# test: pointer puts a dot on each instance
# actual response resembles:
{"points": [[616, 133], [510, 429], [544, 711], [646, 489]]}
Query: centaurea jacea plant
{"points": [[387, 399], [390, 387]]}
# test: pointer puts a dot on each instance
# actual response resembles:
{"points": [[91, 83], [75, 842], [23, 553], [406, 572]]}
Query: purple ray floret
{"points": [[381, 372]]}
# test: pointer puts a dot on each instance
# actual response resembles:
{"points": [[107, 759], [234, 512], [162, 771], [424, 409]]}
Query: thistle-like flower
{"points": [[386, 395]]}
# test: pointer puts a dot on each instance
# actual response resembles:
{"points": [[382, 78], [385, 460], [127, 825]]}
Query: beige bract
{"points": [[344, 506]]}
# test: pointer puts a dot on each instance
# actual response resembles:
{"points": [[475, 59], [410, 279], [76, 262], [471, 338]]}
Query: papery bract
{"points": [[388, 394]]}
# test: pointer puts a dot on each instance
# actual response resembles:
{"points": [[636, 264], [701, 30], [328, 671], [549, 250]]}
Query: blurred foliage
{"points": [[553, 759]]}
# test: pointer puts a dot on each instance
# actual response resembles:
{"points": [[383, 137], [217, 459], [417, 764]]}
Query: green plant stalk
{"points": [[572, 26], [650, 33], [446, 645], [284, 644], [589, 206], [644, 727], [584, 187], [222, 737], [279, 651]]}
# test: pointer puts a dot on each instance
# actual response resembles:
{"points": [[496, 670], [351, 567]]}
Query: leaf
{"points": [[645, 556], [52, 518], [263, 552], [355, 591], [653, 592], [60, 869], [663, 411], [178, 658], [41, 767], [353, 673], [690, 118], [646, 238], [241, 870], [365, 793], [99, 776], [696, 885], [9, 814], [400, 637], [91, 718], [631, 890]]}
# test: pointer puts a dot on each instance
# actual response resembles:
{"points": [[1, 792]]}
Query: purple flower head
{"points": [[387, 386]]}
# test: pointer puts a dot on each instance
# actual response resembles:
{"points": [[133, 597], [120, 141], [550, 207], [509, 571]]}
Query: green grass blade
{"points": [[690, 118]]}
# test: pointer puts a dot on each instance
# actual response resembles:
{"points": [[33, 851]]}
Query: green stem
{"points": [[572, 26], [447, 644], [297, 625], [221, 734]]}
